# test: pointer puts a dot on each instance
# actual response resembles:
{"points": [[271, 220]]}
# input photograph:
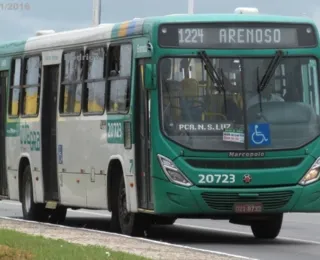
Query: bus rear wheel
{"points": [[131, 224], [267, 229], [31, 210]]}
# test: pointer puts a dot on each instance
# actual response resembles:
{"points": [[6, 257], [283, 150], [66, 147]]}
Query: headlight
{"points": [[172, 172], [312, 175]]}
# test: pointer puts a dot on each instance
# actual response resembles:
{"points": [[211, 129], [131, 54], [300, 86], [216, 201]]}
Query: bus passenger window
{"points": [[114, 61], [95, 83], [119, 96], [119, 83], [14, 101], [31, 88], [71, 86], [125, 60]]}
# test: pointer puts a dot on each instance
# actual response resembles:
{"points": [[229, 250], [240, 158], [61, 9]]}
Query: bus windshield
{"points": [[229, 112]]}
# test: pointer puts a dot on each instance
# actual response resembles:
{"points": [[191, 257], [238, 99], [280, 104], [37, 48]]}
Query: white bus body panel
{"points": [[82, 168], [13, 158], [34, 157], [83, 163]]}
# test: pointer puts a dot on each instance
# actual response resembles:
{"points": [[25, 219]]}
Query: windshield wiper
{"points": [[270, 71], [214, 76], [261, 85]]}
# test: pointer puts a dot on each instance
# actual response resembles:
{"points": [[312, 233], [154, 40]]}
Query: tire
{"points": [[58, 215], [131, 224], [31, 211], [160, 220], [267, 229]]}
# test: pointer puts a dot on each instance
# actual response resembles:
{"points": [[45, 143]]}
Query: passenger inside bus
{"points": [[191, 102], [231, 77], [189, 96], [192, 97]]}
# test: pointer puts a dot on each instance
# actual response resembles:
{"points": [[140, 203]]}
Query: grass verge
{"points": [[19, 246]]}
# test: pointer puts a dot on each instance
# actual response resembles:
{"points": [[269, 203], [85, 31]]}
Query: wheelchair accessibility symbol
{"points": [[259, 134]]}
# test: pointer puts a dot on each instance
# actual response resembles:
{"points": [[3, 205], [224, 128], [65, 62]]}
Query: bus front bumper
{"points": [[172, 199]]}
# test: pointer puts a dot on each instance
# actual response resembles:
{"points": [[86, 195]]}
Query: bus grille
{"points": [[245, 164], [225, 201]]}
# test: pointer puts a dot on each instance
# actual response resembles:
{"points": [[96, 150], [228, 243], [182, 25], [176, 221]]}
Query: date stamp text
{"points": [[15, 6]]}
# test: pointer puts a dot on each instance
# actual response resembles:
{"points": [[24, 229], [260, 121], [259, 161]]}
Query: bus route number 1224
{"points": [[216, 178], [190, 35]]}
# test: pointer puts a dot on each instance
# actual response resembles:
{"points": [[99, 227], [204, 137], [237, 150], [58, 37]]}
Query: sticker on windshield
{"points": [[233, 135], [204, 127], [259, 134]]}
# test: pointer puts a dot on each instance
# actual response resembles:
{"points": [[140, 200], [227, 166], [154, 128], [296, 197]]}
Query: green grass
{"points": [[19, 246]]}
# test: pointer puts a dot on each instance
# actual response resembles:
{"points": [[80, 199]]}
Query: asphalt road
{"points": [[299, 238]]}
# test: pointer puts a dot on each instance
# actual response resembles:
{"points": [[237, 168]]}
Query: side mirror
{"points": [[148, 77]]}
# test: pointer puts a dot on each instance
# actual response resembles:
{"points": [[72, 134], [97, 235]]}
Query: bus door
{"points": [[3, 170], [49, 132], [142, 139]]}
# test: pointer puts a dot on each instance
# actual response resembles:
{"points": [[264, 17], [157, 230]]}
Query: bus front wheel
{"points": [[131, 224], [267, 229]]}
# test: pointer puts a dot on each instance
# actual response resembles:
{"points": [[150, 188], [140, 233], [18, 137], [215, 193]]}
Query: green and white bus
{"points": [[180, 116]]}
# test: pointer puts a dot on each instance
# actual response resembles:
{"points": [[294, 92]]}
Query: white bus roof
{"points": [[50, 39]]}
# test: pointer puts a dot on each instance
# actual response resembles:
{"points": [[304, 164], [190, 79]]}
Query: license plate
{"points": [[255, 207]]}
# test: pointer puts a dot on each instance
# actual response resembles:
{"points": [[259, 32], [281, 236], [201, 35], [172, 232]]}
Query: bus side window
{"points": [[14, 99], [310, 84], [114, 61], [71, 85], [313, 85], [119, 72], [95, 83], [31, 87], [125, 60]]}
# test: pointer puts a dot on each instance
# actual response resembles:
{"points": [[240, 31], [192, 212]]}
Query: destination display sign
{"points": [[237, 35]]}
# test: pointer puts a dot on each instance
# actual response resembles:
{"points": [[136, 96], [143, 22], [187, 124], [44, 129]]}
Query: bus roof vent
{"points": [[246, 10], [44, 32]]}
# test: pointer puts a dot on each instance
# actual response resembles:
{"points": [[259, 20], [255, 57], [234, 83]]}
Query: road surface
{"points": [[299, 238]]}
